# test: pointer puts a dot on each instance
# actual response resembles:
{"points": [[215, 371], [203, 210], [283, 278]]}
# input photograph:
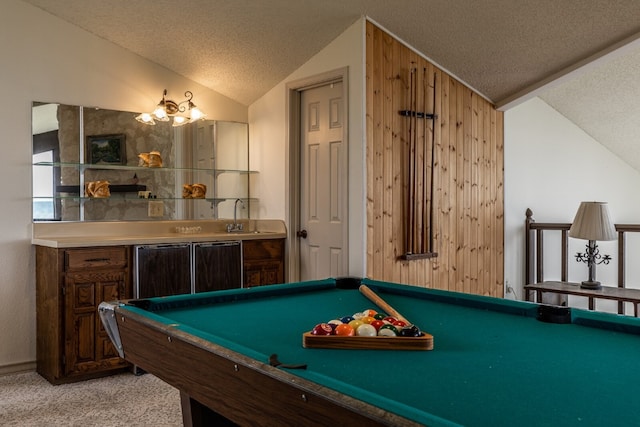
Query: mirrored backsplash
{"points": [[93, 164]]}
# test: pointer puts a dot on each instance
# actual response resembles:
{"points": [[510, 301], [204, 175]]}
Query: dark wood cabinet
{"points": [[217, 266], [72, 344], [263, 262], [162, 270]]}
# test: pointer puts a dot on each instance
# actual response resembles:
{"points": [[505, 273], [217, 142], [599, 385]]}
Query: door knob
{"points": [[302, 233]]}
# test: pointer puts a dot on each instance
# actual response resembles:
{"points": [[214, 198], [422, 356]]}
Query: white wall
{"points": [[46, 59], [268, 143], [550, 167]]}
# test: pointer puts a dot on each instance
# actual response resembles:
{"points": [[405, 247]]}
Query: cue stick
{"points": [[425, 128], [416, 158], [412, 131], [414, 145], [433, 164], [367, 292]]}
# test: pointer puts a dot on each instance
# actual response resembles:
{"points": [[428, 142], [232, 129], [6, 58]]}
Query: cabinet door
{"points": [[263, 262], [258, 273], [217, 266], [87, 346], [162, 270]]}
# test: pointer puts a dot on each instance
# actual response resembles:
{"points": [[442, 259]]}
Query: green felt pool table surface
{"points": [[493, 362]]}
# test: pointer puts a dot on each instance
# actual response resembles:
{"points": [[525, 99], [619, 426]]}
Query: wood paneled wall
{"points": [[468, 231]]}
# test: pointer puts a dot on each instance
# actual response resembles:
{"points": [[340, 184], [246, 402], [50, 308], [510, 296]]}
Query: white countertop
{"points": [[86, 234]]}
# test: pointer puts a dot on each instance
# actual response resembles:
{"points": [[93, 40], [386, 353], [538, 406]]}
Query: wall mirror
{"points": [[94, 164]]}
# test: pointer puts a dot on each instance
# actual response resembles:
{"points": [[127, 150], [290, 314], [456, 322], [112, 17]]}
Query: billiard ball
{"points": [[344, 330], [369, 312], [399, 324], [367, 319], [358, 315], [346, 319], [379, 316], [410, 331], [377, 324], [333, 326], [355, 324], [322, 329], [366, 330], [390, 319], [388, 331]]}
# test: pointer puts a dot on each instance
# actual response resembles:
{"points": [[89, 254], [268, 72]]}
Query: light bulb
{"points": [[196, 114], [160, 113], [179, 120], [145, 118]]}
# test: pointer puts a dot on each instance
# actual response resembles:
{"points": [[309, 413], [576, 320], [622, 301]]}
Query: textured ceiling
{"points": [[605, 103], [504, 49]]}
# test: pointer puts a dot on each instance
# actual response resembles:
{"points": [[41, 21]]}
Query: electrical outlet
{"points": [[509, 289], [156, 209]]}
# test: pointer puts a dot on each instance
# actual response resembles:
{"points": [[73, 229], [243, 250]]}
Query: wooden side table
{"points": [[567, 288]]}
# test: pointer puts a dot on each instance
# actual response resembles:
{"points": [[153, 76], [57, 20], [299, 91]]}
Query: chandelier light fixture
{"points": [[181, 112]]}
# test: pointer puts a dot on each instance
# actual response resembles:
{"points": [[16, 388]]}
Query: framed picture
{"points": [[106, 149]]}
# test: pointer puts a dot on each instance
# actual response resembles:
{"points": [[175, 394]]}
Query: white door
{"points": [[323, 169]]}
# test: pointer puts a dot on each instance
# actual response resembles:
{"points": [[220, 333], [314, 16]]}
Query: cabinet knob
{"points": [[302, 233]]}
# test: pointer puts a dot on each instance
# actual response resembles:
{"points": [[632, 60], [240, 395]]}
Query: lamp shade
{"points": [[593, 222]]}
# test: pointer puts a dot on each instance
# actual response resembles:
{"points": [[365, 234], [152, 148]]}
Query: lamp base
{"points": [[590, 285]]}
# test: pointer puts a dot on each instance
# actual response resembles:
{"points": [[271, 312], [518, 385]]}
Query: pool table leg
{"points": [[195, 414]]}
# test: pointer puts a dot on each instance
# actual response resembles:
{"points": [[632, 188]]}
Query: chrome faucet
{"points": [[235, 226]]}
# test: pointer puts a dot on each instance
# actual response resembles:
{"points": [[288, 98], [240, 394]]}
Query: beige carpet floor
{"points": [[27, 399]]}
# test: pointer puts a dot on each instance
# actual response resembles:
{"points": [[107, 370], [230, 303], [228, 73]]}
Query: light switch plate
{"points": [[156, 208]]}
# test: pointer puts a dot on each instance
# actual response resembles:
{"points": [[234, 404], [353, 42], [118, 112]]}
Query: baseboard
{"points": [[17, 367]]}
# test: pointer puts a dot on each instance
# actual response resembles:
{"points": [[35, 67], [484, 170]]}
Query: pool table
{"points": [[494, 362]]}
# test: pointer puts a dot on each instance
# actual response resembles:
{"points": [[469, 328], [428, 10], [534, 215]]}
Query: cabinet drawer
{"points": [[112, 257]]}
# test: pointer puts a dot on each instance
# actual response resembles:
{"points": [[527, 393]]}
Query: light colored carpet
{"points": [[27, 399]]}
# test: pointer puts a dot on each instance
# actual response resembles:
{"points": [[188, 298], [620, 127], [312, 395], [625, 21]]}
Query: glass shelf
{"points": [[86, 166], [142, 199]]}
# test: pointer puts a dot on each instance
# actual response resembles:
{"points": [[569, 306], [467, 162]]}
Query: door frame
{"points": [[293, 167]]}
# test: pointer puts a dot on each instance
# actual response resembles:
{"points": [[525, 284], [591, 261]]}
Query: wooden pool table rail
{"points": [[222, 387]]}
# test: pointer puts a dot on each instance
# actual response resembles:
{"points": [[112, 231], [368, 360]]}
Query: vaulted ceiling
{"points": [[581, 56]]}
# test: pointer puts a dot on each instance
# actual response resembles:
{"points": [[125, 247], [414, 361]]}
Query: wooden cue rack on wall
{"points": [[419, 147], [468, 185]]}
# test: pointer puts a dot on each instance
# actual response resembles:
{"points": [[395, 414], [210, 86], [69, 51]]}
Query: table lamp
{"points": [[592, 223]]}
